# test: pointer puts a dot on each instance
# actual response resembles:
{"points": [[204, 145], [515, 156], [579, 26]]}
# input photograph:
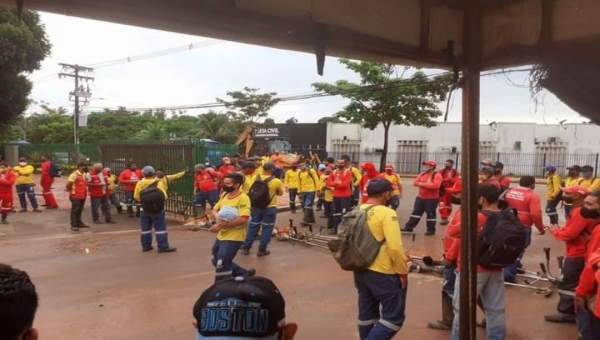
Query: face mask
{"points": [[84, 169], [497, 172], [341, 166], [586, 174], [22, 163], [227, 188], [207, 163], [588, 213], [455, 200], [568, 199], [389, 172], [448, 167]]}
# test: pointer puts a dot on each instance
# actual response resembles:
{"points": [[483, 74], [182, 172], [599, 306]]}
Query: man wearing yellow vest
{"points": [[77, 188], [291, 180], [396, 181], [166, 179], [552, 192], [248, 171], [574, 179], [310, 186], [111, 192], [25, 184], [589, 182]]}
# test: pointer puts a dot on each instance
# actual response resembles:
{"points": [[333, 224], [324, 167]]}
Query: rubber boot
{"points": [[447, 315], [293, 207], [4, 221]]}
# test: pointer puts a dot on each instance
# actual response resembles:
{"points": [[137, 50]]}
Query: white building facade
{"points": [[524, 148]]}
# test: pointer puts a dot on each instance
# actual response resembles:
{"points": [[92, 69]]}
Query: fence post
{"points": [[543, 164], [420, 161], [596, 167], [497, 156], [456, 159]]}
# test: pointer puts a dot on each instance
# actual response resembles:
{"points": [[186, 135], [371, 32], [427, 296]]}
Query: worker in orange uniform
{"points": [[449, 272], [486, 176], [129, 179], [49, 171], [588, 315], [449, 176], [504, 181], [277, 159], [368, 173], [575, 235], [7, 181], [396, 181], [528, 205], [97, 181], [341, 181], [77, 188], [429, 183]]}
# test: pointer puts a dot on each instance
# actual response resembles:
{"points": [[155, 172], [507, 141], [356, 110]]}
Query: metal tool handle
{"points": [[547, 253], [544, 271], [561, 262], [291, 223]]}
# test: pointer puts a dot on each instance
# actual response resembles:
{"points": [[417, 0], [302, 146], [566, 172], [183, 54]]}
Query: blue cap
{"points": [[550, 168], [322, 167], [148, 170]]}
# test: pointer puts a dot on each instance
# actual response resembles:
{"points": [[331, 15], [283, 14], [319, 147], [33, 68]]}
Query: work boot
{"points": [[97, 222], [36, 210], [4, 221], [167, 250], [245, 251], [73, 228], [560, 318], [444, 221], [110, 221], [262, 253], [83, 225], [119, 209], [137, 214], [406, 230], [250, 272], [147, 249], [430, 233], [293, 207]]}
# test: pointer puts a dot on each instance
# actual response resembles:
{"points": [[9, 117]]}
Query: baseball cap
{"points": [[107, 170], [148, 170], [456, 188], [487, 162], [551, 168], [322, 167], [240, 308], [378, 186], [487, 170], [574, 167], [576, 190], [368, 166], [587, 168], [499, 165], [430, 163]]}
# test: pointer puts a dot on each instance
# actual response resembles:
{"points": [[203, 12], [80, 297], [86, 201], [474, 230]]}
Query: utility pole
{"points": [[75, 71]]}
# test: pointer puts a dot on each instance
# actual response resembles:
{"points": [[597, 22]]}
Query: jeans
{"points": [[588, 325], [159, 222], [209, 196], [449, 282], [551, 211], [292, 195], [572, 269], [377, 290], [308, 199], [278, 173], [341, 205], [130, 203], [266, 218], [104, 205], [76, 211], [27, 189], [510, 272], [223, 253], [423, 205], [490, 289], [114, 200], [395, 202], [327, 209]]}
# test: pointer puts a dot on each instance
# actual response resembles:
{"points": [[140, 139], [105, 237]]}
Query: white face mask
{"points": [[22, 163]]}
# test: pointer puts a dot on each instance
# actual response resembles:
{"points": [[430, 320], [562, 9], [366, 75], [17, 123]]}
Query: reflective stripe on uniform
{"points": [[161, 232], [415, 216], [389, 325], [224, 273], [367, 322], [566, 292], [431, 219], [525, 212], [146, 232]]}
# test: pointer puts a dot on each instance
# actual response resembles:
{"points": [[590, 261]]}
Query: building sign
{"points": [[266, 132]]}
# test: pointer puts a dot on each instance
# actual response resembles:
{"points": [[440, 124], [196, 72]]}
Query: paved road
{"points": [[113, 291]]}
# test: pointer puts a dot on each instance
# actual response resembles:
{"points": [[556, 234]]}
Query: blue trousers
{"points": [[510, 272], [266, 219], [341, 205], [159, 223], [223, 253], [427, 206], [130, 203], [551, 211], [381, 304], [210, 196], [293, 193], [308, 199], [588, 325], [395, 202], [449, 282], [26, 190]]}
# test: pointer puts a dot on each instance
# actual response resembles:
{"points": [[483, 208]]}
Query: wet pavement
{"points": [[97, 284]]}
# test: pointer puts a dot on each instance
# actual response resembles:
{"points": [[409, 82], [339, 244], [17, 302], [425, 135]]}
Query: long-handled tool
{"points": [[547, 292]]}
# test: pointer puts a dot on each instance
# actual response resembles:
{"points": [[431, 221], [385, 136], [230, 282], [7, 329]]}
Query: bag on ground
{"points": [[355, 247], [259, 193], [152, 199], [502, 239]]}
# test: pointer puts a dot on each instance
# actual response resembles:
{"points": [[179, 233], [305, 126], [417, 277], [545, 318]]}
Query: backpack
{"points": [[259, 193], [152, 199], [355, 247], [502, 240], [53, 172]]}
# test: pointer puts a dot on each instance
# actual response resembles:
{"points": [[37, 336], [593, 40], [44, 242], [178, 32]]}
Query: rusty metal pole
{"points": [[470, 168]]}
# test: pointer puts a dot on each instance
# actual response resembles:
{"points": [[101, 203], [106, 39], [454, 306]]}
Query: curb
{"points": [[512, 179]]}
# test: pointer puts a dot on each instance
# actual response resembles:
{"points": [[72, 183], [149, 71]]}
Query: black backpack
{"points": [[502, 239], [152, 199], [259, 193], [53, 171]]}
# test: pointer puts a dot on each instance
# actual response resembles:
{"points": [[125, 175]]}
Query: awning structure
{"points": [[462, 35]]}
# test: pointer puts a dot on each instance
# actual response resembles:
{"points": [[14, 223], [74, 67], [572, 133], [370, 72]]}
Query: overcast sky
{"points": [[200, 75]]}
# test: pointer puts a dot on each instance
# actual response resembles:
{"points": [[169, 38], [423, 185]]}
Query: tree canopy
{"points": [[385, 97], [23, 46], [248, 105]]}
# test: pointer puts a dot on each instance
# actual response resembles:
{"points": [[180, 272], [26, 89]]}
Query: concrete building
{"points": [[524, 148]]}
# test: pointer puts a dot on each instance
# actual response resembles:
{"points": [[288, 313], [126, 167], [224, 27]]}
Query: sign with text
{"points": [[272, 132]]}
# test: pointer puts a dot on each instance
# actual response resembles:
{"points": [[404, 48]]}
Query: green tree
{"points": [[292, 120], [332, 119], [384, 98], [248, 105], [154, 131], [269, 122], [216, 126], [23, 46]]}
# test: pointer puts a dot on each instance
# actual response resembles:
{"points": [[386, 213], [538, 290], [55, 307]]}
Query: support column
{"points": [[470, 168]]}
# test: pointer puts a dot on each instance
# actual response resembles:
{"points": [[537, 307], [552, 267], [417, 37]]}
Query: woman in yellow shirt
{"points": [[291, 180], [310, 186], [327, 193], [25, 184]]}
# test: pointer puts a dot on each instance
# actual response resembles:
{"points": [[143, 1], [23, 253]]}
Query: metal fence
{"points": [[515, 164], [60, 153]]}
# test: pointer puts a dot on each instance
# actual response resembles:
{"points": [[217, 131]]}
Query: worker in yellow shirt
{"points": [[552, 193], [111, 192], [151, 193], [263, 213], [25, 184], [589, 182], [387, 277], [291, 180], [161, 176], [327, 194], [249, 172], [396, 181], [310, 187], [259, 169], [574, 179]]}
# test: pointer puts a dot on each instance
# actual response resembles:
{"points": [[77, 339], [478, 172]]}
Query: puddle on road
{"points": [[88, 245]]}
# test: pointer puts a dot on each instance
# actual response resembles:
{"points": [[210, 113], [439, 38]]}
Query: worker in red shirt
{"points": [[205, 188], [588, 317], [7, 181], [368, 173], [46, 183], [341, 181], [575, 234], [528, 205], [449, 272], [486, 176], [449, 176], [97, 182], [499, 176], [429, 183], [226, 167], [129, 178]]}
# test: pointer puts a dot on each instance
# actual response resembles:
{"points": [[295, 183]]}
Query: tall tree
{"points": [[332, 119], [386, 98], [248, 105], [269, 122], [292, 120], [23, 46], [216, 126]]}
